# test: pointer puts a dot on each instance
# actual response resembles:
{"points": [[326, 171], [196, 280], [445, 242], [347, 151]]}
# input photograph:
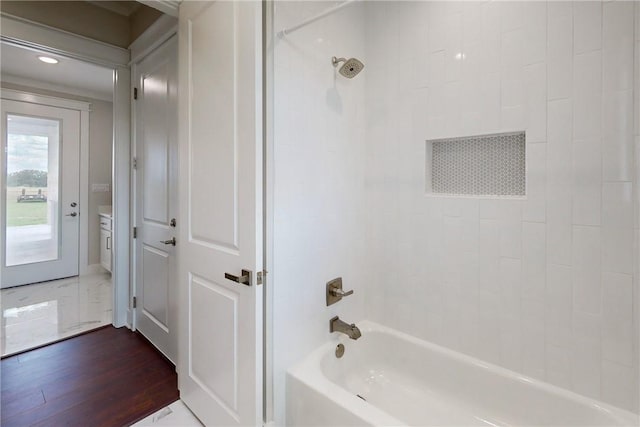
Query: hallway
{"points": [[108, 377]]}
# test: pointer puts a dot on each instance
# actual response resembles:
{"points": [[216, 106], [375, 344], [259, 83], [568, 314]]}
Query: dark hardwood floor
{"points": [[109, 377]]}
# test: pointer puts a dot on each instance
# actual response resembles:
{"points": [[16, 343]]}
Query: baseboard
{"points": [[95, 269]]}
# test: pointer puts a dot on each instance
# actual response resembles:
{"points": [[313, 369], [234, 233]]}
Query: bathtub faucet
{"points": [[337, 325]]}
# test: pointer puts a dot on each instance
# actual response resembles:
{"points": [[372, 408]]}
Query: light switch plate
{"points": [[99, 188]]}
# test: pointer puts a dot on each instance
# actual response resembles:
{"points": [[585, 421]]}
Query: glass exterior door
{"points": [[40, 178], [32, 206]]}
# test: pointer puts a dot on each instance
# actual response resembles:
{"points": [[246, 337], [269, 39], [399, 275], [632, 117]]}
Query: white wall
{"points": [[319, 181], [542, 286], [100, 155]]}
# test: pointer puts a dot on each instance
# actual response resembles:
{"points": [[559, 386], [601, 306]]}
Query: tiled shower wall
{"points": [[318, 181], [542, 286]]}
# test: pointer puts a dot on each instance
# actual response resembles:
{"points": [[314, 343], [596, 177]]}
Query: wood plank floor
{"points": [[109, 377]]}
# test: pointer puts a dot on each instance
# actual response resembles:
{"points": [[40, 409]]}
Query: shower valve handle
{"points": [[335, 292], [340, 293]]}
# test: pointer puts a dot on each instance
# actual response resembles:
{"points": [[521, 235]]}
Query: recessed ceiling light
{"points": [[48, 59]]}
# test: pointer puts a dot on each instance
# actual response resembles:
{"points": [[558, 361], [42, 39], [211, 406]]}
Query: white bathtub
{"points": [[406, 381]]}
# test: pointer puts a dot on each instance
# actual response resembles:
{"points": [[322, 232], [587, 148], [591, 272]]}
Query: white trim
{"points": [[38, 84], [29, 34], [35, 36], [121, 199], [170, 7], [83, 261], [94, 269], [159, 32], [51, 101]]}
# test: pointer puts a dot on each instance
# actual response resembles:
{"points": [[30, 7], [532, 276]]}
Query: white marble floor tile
{"points": [[38, 314], [175, 415]]}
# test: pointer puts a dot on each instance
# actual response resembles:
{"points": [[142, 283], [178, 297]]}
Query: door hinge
{"points": [[135, 232], [135, 93], [259, 277], [134, 163], [135, 302]]}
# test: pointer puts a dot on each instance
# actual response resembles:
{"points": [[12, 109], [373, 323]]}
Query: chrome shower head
{"points": [[350, 68]]}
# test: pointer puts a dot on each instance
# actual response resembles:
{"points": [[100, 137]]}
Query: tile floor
{"points": [[38, 314], [175, 415]]}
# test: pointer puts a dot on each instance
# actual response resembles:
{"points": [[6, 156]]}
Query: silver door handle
{"points": [[169, 242], [245, 279], [72, 214]]}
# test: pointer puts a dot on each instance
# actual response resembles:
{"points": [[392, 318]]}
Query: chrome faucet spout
{"points": [[351, 330]]}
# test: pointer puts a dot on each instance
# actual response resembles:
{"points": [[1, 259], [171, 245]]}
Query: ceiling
{"points": [[22, 66], [124, 8]]}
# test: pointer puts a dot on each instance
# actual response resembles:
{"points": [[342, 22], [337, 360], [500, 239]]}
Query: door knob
{"points": [[245, 279], [169, 242], [72, 214]]}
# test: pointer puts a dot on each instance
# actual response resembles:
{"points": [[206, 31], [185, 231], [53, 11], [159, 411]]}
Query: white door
{"points": [[156, 124], [220, 359], [40, 192]]}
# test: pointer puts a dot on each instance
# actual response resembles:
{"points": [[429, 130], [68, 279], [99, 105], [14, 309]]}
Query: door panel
{"points": [[41, 174], [214, 166], [156, 199], [155, 304], [220, 364]]}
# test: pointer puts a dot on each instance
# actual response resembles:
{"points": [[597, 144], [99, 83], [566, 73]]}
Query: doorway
{"points": [[41, 173]]}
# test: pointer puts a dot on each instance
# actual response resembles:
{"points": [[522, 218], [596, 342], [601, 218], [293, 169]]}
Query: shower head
{"points": [[350, 68]]}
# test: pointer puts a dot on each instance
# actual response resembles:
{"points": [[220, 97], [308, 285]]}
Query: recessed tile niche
{"points": [[482, 165]]}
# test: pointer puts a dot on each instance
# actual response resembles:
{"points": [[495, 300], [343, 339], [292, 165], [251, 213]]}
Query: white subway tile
{"points": [[512, 50], [534, 260], [558, 366], [535, 31], [511, 288], [619, 385], [471, 25], [535, 206], [617, 140], [617, 328], [617, 45], [586, 355], [535, 83], [587, 292], [617, 250], [489, 322], [559, 153], [436, 68], [587, 95], [489, 208], [511, 345], [587, 21], [533, 338], [617, 204], [512, 118], [491, 36], [489, 249], [491, 109], [587, 182], [558, 305], [511, 239], [559, 244], [511, 15], [559, 49]]}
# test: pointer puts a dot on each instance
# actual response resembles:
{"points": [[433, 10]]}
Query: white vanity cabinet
{"points": [[106, 241]]}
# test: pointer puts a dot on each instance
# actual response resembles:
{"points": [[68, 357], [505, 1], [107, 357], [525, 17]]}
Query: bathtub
{"points": [[388, 378]]}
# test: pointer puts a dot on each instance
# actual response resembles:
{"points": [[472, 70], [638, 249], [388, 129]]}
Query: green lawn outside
{"points": [[25, 213]]}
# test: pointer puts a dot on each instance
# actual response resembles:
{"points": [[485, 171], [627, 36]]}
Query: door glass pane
{"points": [[32, 214]]}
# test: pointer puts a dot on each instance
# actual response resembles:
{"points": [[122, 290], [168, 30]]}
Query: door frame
{"points": [[30, 35], [83, 108], [153, 37]]}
